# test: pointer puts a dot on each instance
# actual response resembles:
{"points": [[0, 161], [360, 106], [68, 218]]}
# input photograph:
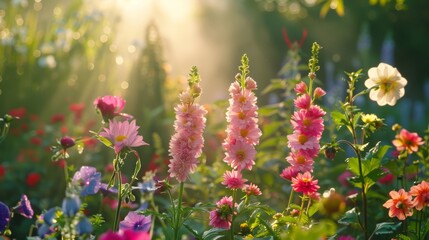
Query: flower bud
{"points": [[319, 92], [301, 88], [330, 153], [250, 84], [67, 142], [333, 203]]}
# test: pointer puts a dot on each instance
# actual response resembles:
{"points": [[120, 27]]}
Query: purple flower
{"points": [[24, 207], [89, 178], [4, 216], [136, 222], [106, 191]]}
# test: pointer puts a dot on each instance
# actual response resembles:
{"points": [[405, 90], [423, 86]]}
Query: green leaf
{"points": [[350, 217], [275, 84], [269, 110], [353, 165], [196, 228], [214, 234], [103, 140], [386, 228], [339, 119], [313, 209]]}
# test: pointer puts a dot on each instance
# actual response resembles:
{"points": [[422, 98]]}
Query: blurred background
{"points": [[56, 57]]}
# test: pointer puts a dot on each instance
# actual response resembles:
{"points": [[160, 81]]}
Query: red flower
{"points": [[304, 183], [57, 118], [36, 141], [32, 179], [18, 112], [2, 171], [77, 109]]}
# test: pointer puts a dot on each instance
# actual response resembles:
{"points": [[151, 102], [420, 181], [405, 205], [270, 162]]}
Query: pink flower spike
{"points": [[123, 134], [301, 88], [233, 180], [319, 92], [109, 106]]}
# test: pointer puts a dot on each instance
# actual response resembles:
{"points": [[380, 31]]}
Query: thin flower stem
{"points": [[178, 213], [308, 206], [302, 206], [234, 191], [290, 199], [118, 208]]}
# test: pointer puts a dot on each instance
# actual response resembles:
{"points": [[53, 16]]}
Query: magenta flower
{"points": [[123, 134], [24, 207], [136, 222], [251, 189], [109, 106], [289, 173], [300, 161], [305, 184], [221, 217], [124, 235], [408, 141], [233, 180]]}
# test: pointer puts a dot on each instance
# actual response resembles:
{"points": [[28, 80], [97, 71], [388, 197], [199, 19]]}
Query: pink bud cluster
{"points": [[307, 122], [187, 143], [242, 131]]}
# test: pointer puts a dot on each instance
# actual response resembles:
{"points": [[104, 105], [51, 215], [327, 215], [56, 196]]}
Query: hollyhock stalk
{"points": [[186, 144]]}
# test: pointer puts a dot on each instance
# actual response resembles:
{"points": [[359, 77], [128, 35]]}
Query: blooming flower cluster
{"points": [[187, 143], [406, 141], [307, 122]]}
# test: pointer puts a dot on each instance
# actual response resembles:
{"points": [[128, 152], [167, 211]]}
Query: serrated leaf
{"points": [[386, 228], [350, 217], [339, 119], [353, 165]]}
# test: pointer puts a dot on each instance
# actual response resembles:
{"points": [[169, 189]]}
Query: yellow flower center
{"points": [[120, 138], [240, 155], [302, 139], [306, 180], [300, 159], [306, 122]]}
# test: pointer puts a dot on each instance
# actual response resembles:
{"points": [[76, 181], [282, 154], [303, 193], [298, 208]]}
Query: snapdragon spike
{"points": [[187, 143]]}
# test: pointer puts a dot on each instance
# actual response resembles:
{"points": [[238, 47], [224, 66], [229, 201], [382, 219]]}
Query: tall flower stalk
{"points": [[308, 126], [242, 135], [187, 143]]}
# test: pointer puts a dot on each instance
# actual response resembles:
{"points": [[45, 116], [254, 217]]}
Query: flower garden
{"points": [[299, 167]]}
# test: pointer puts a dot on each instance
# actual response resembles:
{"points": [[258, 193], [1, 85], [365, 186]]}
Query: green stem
{"points": [[302, 206], [178, 213], [118, 208], [290, 200], [66, 172], [233, 215]]}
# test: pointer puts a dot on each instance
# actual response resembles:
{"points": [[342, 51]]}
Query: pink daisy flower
{"points": [[298, 141], [251, 189], [240, 155], [301, 88], [301, 162], [304, 183], [123, 134], [303, 101], [289, 173], [400, 205], [306, 123], [233, 179]]}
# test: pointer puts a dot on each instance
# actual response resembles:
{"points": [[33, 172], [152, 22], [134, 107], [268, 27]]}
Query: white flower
{"points": [[388, 82]]}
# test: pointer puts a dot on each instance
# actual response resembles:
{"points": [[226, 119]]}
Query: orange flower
{"points": [[421, 193], [407, 141], [400, 204]]}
